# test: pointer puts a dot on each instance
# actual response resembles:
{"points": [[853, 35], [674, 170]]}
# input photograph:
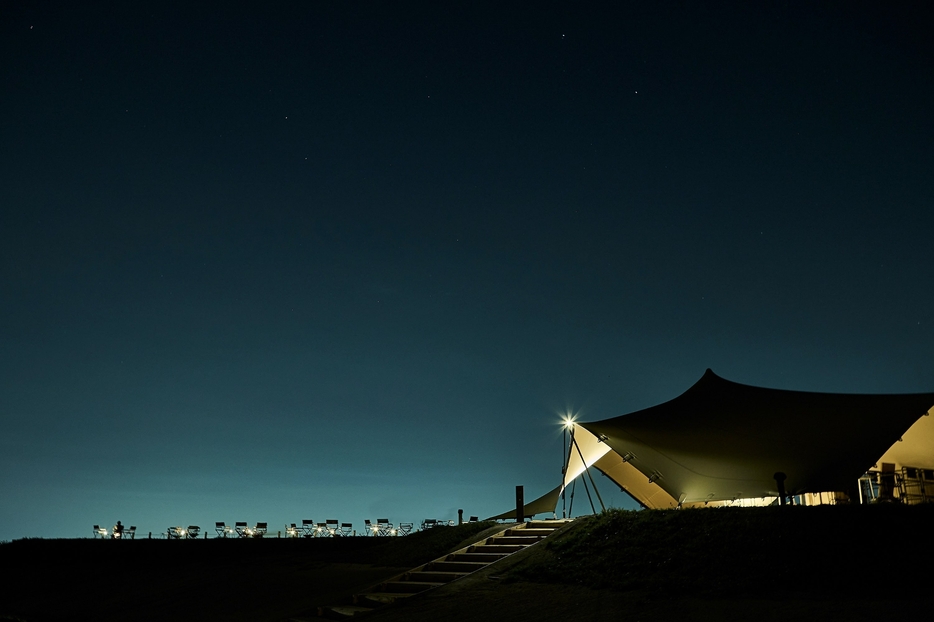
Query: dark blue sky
{"points": [[349, 260]]}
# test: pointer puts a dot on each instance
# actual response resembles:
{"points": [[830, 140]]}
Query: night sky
{"points": [[290, 260]]}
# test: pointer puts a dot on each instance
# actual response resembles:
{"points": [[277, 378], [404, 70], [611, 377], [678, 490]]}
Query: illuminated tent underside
{"points": [[721, 441]]}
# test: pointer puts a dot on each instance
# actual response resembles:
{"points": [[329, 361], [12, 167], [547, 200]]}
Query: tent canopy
{"points": [[721, 441], [545, 503]]}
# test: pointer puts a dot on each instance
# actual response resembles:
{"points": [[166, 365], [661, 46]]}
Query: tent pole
{"points": [[564, 473], [589, 498], [573, 488], [587, 468]]}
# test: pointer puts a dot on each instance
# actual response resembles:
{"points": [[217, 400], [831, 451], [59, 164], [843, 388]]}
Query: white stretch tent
{"points": [[721, 441]]}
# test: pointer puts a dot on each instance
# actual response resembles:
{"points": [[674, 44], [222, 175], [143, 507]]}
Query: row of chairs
{"points": [[330, 528], [180, 533], [428, 523], [309, 529], [240, 530], [117, 534], [384, 528]]}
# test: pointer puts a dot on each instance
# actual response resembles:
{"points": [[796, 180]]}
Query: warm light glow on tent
{"points": [[721, 442]]}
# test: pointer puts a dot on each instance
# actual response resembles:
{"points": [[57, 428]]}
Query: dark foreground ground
{"points": [[217, 579], [853, 563]]}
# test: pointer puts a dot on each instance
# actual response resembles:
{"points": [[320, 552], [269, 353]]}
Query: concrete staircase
{"points": [[446, 569]]}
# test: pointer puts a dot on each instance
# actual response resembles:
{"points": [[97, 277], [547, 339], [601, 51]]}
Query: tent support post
{"points": [[589, 498], [564, 473], [573, 488], [587, 468]]}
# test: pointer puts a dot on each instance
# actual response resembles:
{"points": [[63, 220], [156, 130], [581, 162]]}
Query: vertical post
{"points": [[520, 504], [460, 517], [573, 488], [780, 480], [564, 473]]}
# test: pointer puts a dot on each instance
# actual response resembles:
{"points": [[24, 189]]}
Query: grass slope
{"points": [[831, 551]]}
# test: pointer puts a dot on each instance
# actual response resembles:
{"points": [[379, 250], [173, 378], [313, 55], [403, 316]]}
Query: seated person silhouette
{"points": [[118, 531]]}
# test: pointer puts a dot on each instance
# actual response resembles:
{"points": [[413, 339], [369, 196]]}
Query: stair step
{"points": [[507, 540], [438, 573], [541, 533], [411, 587], [496, 548], [486, 558], [434, 576], [552, 525], [446, 566]]}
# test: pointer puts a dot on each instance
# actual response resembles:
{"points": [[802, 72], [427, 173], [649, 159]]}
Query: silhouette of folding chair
{"points": [[384, 527], [291, 531], [193, 532], [346, 529], [404, 529], [332, 526], [173, 533], [308, 528], [371, 529], [241, 529], [130, 533], [428, 523], [220, 529], [321, 530], [259, 530], [100, 532]]}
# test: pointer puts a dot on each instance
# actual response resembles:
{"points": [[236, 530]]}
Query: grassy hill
{"points": [[852, 551], [833, 562]]}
